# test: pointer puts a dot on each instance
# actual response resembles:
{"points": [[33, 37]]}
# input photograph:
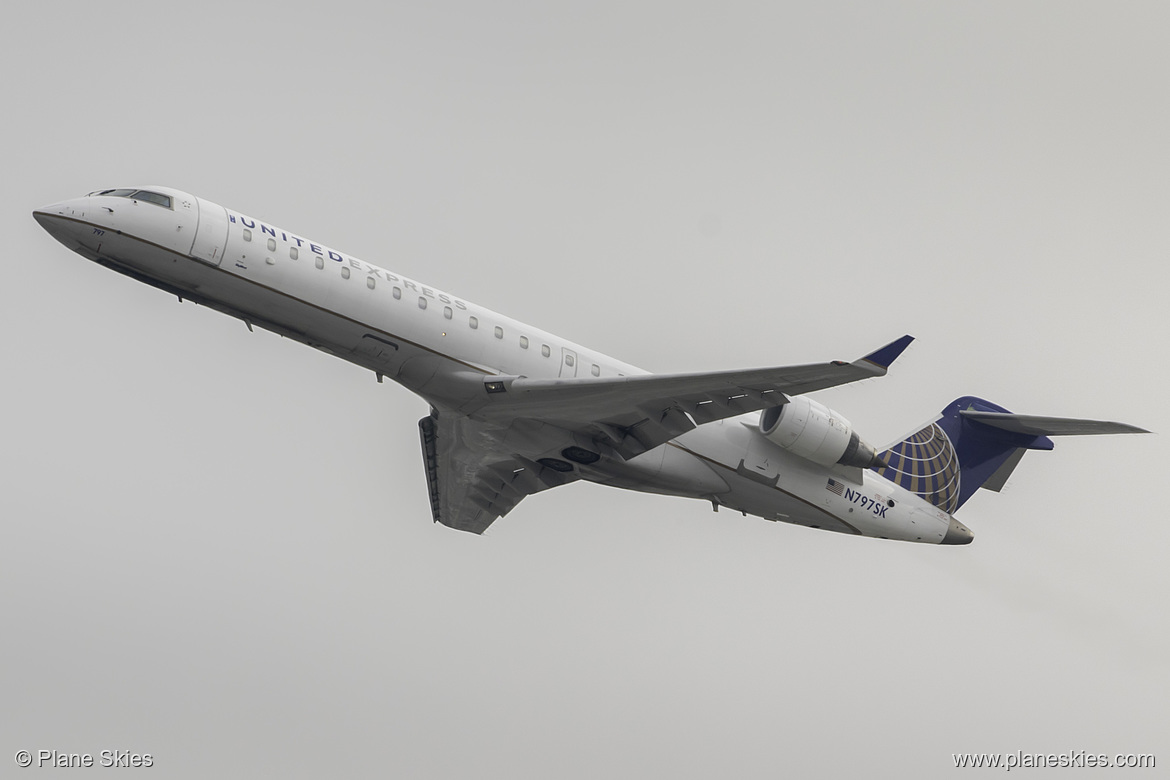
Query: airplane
{"points": [[515, 410]]}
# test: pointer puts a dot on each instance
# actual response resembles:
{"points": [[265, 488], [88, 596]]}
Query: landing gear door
{"points": [[211, 235]]}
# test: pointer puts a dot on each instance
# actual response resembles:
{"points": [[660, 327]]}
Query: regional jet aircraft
{"points": [[515, 410]]}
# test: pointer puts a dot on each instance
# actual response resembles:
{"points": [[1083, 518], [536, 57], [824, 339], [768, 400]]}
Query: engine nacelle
{"points": [[817, 433]]}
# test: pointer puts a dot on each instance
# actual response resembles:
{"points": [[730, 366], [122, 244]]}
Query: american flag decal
{"points": [[835, 487]]}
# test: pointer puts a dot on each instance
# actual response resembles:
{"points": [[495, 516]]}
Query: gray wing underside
{"points": [[471, 479], [484, 458]]}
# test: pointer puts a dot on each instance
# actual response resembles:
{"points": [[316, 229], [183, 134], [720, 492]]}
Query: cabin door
{"points": [[211, 235], [568, 363]]}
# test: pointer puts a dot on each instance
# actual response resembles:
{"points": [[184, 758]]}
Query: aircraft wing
{"points": [[472, 479], [637, 413], [484, 458]]}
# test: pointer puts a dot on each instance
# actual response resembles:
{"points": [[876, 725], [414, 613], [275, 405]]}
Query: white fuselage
{"points": [[421, 337]]}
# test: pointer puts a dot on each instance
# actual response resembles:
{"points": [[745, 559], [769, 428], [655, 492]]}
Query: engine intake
{"points": [[817, 433]]}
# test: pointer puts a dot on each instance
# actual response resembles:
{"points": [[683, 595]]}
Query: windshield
{"points": [[156, 198]]}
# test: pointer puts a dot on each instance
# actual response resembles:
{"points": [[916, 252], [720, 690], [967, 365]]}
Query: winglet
{"points": [[882, 358]]}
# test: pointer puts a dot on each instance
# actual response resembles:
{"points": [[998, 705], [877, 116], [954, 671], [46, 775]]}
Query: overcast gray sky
{"points": [[217, 547]]}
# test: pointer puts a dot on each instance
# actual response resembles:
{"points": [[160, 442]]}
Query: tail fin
{"points": [[973, 444]]}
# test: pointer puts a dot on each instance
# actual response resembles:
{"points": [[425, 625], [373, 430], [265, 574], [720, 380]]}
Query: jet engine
{"points": [[817, 433]]}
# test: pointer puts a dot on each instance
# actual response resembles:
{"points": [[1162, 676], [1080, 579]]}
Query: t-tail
{"points": [[976, 444]]}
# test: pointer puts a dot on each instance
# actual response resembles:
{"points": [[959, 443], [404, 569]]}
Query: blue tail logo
{"points": [[926, 463], [962, 451]]}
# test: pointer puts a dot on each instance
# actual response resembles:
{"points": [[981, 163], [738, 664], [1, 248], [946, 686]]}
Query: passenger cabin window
{"points": [[247, 234], [422, 302], [293, 253], [344, 272], [596, 370], [544, 350], [397, 293], [447, 312], [320, 262], [472, 323], [272, 245], [370, 282], [499, 332], [523, 342], [569, 360]]}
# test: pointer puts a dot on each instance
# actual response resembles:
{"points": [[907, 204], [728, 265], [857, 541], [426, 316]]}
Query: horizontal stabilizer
{"points": [[1033, 425]]}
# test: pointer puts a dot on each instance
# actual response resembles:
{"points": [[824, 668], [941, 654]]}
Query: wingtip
{"points": [[1127, 428], [884, 357]]}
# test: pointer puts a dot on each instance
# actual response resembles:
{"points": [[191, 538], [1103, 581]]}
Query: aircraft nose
{"points": [[64, 222], [49, 217], [45, 213], [52, 213], [957, 533]]}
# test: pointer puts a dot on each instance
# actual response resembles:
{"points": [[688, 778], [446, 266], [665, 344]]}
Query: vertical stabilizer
{"points": [[950, 458]]}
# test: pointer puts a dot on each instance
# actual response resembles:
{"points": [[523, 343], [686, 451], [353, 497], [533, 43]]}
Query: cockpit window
{"points": [[156, 198], [153, 197]]}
